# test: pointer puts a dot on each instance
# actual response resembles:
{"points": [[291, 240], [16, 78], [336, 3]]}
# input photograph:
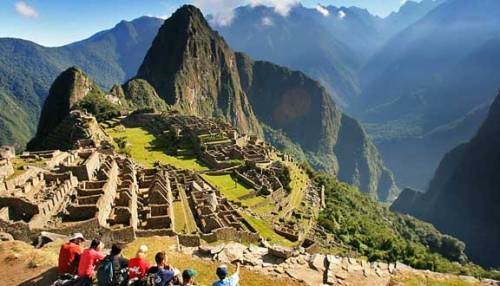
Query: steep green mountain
{"points": [[301, 108], [71, 90], [194, 70], [139, 94], [303, 40], [441, 70], [463, 196], [330, 44], [28, 69], [74, 90]]}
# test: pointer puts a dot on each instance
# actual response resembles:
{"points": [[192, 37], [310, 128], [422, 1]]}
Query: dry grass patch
{"points": [[206, 269]]}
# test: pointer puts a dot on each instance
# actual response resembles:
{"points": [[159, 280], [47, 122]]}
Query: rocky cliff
{"points": [[299, 106], [194, 70], [463, 196]]}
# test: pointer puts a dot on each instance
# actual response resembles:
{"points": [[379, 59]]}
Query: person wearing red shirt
{"points": [[90, 259], [138, 266], [69, 255]]}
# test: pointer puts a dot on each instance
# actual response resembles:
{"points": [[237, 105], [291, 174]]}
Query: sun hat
{"points": [[77, 235]]}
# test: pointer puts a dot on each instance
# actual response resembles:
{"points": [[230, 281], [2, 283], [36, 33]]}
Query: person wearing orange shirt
{"points": [[69, 255]]}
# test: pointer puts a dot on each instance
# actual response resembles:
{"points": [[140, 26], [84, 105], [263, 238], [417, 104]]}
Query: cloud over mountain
{"points": [[26, 10], [222, 11]]}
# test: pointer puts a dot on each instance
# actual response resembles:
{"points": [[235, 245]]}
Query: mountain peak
{"points": [[70, 87], [192, 68]]}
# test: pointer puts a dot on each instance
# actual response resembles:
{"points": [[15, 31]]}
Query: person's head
{"points": [[141, 252], [188, 276], [116, 249], [161, 258], [221, 272], [96, 244], [77, 238]]}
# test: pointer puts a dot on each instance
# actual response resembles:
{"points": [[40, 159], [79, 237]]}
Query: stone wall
{"points": [[189, 240], [6, 168]]}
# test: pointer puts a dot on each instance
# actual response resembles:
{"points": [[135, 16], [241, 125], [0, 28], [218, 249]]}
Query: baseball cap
{"points": [[221, 271], [188, 274]]}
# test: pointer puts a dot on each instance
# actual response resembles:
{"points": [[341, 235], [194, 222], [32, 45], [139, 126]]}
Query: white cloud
{"points": [[222, 11], [322, 10], [281, 7], [341, 14], [267, 21], [26, 10]]}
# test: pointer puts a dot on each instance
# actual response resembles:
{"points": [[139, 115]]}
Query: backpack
{"points": [[154, 279], [105, 273]]}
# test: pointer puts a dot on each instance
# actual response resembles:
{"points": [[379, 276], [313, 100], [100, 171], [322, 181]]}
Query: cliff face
{"points": [[193, 69], [463, 197], [299, 106]]}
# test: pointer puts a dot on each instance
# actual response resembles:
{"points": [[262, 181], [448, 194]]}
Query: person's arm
{"points": [[235, 278]]}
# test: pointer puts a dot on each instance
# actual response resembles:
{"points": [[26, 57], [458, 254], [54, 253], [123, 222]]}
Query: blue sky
{"points": [[58, 22]]}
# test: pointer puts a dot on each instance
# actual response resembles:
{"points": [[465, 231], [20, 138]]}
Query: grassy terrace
{"points": [[146, 148], [233, 190], [298, 184], [265, 230]]}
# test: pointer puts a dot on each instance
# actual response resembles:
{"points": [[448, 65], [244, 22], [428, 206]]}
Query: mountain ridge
{"points": [[462, 197]]}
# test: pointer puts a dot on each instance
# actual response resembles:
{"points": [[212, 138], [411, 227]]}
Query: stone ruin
{"points": [[96, 192], [217, 143], [6, 155]]}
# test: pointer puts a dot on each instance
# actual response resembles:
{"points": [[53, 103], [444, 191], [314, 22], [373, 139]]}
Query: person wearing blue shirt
{"points": [[222, 272], [162, 274]]}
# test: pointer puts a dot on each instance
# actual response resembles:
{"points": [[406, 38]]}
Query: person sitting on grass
{"points": [[69, 255], [162, 274], [188, 277], [113, 269], [89, 260], [222, 272], [138, 266]]}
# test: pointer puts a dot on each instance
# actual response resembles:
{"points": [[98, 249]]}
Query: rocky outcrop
{"points": [[463, 197], [315, 269], [138, 94], [70, 87], [194, 70], [57, 127]]}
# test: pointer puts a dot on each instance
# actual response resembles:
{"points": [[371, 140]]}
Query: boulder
{"points": [[231, 252], [281, 251], [6, 236], [317, 262], [333, 260], [341, 275]]}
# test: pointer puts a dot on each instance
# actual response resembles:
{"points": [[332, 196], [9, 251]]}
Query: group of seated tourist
{"points": [[90, 266]]}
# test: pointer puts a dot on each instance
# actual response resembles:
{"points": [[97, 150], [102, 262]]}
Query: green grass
{"points": [[190, 223], [421, 280], [264, 209], [233, 190], [266, 231], [146, 148], [298, 184]]}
